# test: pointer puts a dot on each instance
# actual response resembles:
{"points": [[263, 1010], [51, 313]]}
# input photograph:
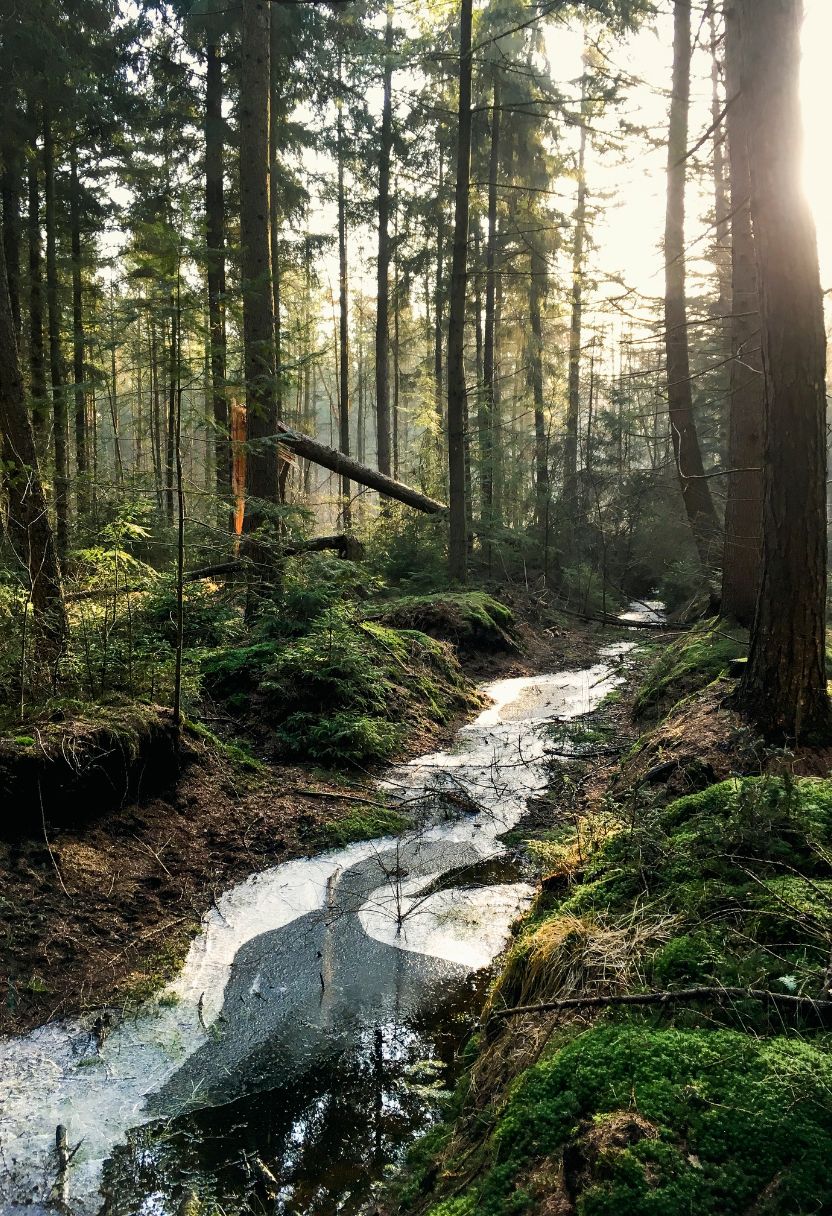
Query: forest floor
{"points": [[101, 914]]}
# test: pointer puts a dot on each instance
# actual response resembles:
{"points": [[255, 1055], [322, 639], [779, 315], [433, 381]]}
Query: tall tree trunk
{"points": [[383, 266], [695, 490], [489, 390], [439, 299], [258, 315], [215, 266], [37, 356], [537, 291], [722, 209], [10, 186], [396, 345], [170, 429], [744, 504], [274, 211], [457, 396], [56, 361], [29, 519], [78, 370], [573, 409], [784, 688], [343, 320], [114, 420]]}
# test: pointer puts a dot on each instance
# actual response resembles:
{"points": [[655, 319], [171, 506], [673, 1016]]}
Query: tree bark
{"points": [[383, 266], [78, 371], [345, 466], [744, 504], [695, 490], [457, 396], [537, 291], [784, 687], [215, 266], [488, 395], [573, 409], [258, 315], [37, 357], [343, 316], [56, 361], [10, 185], [30, 528]]}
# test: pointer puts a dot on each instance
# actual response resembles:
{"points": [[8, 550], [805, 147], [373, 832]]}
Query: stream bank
{"points": [[429, 936]]}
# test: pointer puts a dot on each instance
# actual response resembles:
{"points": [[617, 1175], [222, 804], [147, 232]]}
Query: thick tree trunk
{"points": [[573, 409], [744, 505], [215, 266], [78, 370], [258, 315], [56, 360], [37, 356], [695, 490], [275, 69], [343, 318], [29, 519], [383, 266], [784, 688], [457, 396]]}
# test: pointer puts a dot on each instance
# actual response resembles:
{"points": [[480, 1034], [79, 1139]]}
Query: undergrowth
{"points": [[706, 1106]]}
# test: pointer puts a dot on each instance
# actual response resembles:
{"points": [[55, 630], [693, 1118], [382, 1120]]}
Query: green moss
{"points": [[343, 693], [366, 823], [469, 620], [665, 1122], [693, 661], [238, 753]]}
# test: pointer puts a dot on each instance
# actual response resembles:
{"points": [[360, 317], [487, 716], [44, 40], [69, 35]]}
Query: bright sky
{"points": [[630, 190]]}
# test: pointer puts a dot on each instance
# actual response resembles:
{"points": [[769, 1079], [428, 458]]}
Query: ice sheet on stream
{"points": [[248, 1003]]}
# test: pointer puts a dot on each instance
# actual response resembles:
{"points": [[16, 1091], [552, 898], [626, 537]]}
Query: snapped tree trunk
{"points": [[383, 265], [695, 490], [744, 503], [784, 687], [56, 360], [30, 530], [215, 266], [258, 315], [457, 396]]}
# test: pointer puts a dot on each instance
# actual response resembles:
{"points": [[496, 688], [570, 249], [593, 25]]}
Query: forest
{"points": [[415, 641]]}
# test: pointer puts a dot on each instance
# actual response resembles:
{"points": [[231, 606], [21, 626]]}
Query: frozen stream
{"points": [[319, 1010]]}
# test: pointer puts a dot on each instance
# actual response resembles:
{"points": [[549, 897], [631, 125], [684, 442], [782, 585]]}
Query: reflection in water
{"points": [[325, 1138], [315, 1022]]}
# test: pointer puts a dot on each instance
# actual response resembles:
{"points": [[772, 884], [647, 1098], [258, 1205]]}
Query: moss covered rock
{"points": [[471, 621]]}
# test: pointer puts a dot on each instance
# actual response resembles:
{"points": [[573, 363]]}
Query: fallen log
{"points": [[780, 1000], [347, 466]]}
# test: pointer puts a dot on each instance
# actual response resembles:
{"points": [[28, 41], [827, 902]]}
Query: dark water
{"points": [[326, 1138]]}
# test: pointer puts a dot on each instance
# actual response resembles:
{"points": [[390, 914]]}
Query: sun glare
{"points": [[817, 104]]}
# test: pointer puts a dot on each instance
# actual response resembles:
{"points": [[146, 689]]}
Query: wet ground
{"points": [[316, 1024]]}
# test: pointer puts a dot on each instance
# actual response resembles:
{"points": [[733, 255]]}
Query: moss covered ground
{"points": [[706, 1105]]}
